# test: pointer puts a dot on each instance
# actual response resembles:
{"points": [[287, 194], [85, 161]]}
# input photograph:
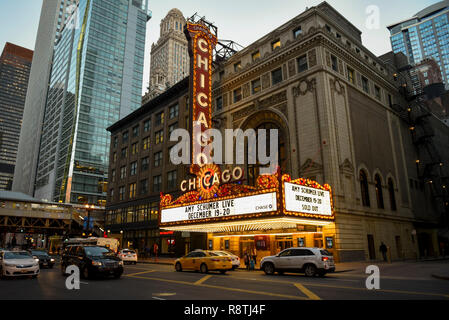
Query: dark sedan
{"points": [[92, 261], [45, 261]]}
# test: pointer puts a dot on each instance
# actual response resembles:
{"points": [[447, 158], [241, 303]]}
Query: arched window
{"points": [[379, 194], [391, 193], [254, 169], [364, 189]]}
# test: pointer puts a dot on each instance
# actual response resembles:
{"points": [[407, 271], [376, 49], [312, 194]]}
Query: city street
{"points": [[161, 282]]}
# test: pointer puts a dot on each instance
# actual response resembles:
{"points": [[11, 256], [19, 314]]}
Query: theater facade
{"points": [[347, 178]]}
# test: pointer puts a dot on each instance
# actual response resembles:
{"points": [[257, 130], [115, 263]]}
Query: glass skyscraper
{"points": [[96, 79], [425, 35]]}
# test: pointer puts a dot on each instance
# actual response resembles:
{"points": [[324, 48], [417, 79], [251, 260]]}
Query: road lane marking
{"points": [[222, 288], [317, 285], [360, 288], [137, 273], [306, 291], [202, 280], [157, 298]]}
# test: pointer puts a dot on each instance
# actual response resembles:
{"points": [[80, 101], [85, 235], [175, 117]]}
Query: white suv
{"points": [[311, 261]]}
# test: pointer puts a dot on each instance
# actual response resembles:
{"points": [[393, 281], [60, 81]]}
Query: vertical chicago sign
{"points": [[201, 45]]}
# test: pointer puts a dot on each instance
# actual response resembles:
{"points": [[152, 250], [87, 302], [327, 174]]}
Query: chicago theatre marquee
{"points": [[274, 213]]}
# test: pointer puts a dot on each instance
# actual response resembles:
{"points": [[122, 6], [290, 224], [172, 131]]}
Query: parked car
{"points": [[43, 258], [92, 261], [310, 261], [18, 263], [127, 255], [204, 261], [234, 259]]}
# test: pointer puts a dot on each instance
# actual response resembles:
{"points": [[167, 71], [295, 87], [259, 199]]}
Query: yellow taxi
{"points": [[204, 261]]}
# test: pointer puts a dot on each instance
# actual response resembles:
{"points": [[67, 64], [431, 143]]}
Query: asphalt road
{"points": [[161, 282]]}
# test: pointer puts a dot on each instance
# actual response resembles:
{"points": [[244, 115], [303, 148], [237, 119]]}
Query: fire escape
{"points": [[429, 163]]}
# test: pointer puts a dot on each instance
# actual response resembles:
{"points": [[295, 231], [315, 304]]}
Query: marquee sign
{"points": [[307, 198], [210, 210], [201, 45]]}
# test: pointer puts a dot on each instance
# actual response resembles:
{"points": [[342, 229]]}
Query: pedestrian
{"points": [[246, 259], [254, 255], [383, 248], [155, 250]]}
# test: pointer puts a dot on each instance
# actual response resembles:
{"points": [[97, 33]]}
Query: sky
{"points": [[241, 21]]}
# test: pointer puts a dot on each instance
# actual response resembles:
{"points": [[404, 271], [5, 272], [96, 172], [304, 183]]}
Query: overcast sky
{"points": [[241, 21]]}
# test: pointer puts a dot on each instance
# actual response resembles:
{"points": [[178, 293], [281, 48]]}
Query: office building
{"points": [[54, 14], [169, 56], [424, 35], [96, 79], [15, 64]]}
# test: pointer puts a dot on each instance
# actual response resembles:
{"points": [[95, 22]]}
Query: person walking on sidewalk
{"points": [[246, 260], [383, 249]]}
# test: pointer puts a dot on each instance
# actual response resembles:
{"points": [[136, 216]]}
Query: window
{"points": [[146, 143], [160, 118], [276, 76], [364, 189], [147, 125], [302, 63], [328, 28], [157, 183], [391, 193], [145, 164], [275, 44], [144, 186], [237, 66], [114, 157], [123, 172], [172, 179], [113, 175], [133, 168], [237, 95], [159, 136], [115, 142], [297, 32], [125, 136], [124, 153], [132, 190], [365, 85], [255, 86], [122, 193], [338, 35], [111, 194], [377, 92], [173, 111], [351, 77], [158, 159], [255, 56], [219, 103], [390, 100], [379, 194], [172, 127], [135, 131], [221, 74], [135, 148], [334, 61]]}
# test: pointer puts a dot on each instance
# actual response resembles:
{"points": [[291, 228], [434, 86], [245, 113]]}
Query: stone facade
{"points": [[169, 56], [336, 113]]}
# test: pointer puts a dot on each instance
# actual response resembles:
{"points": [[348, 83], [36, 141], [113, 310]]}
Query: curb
{"points": [[440, 277]]}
